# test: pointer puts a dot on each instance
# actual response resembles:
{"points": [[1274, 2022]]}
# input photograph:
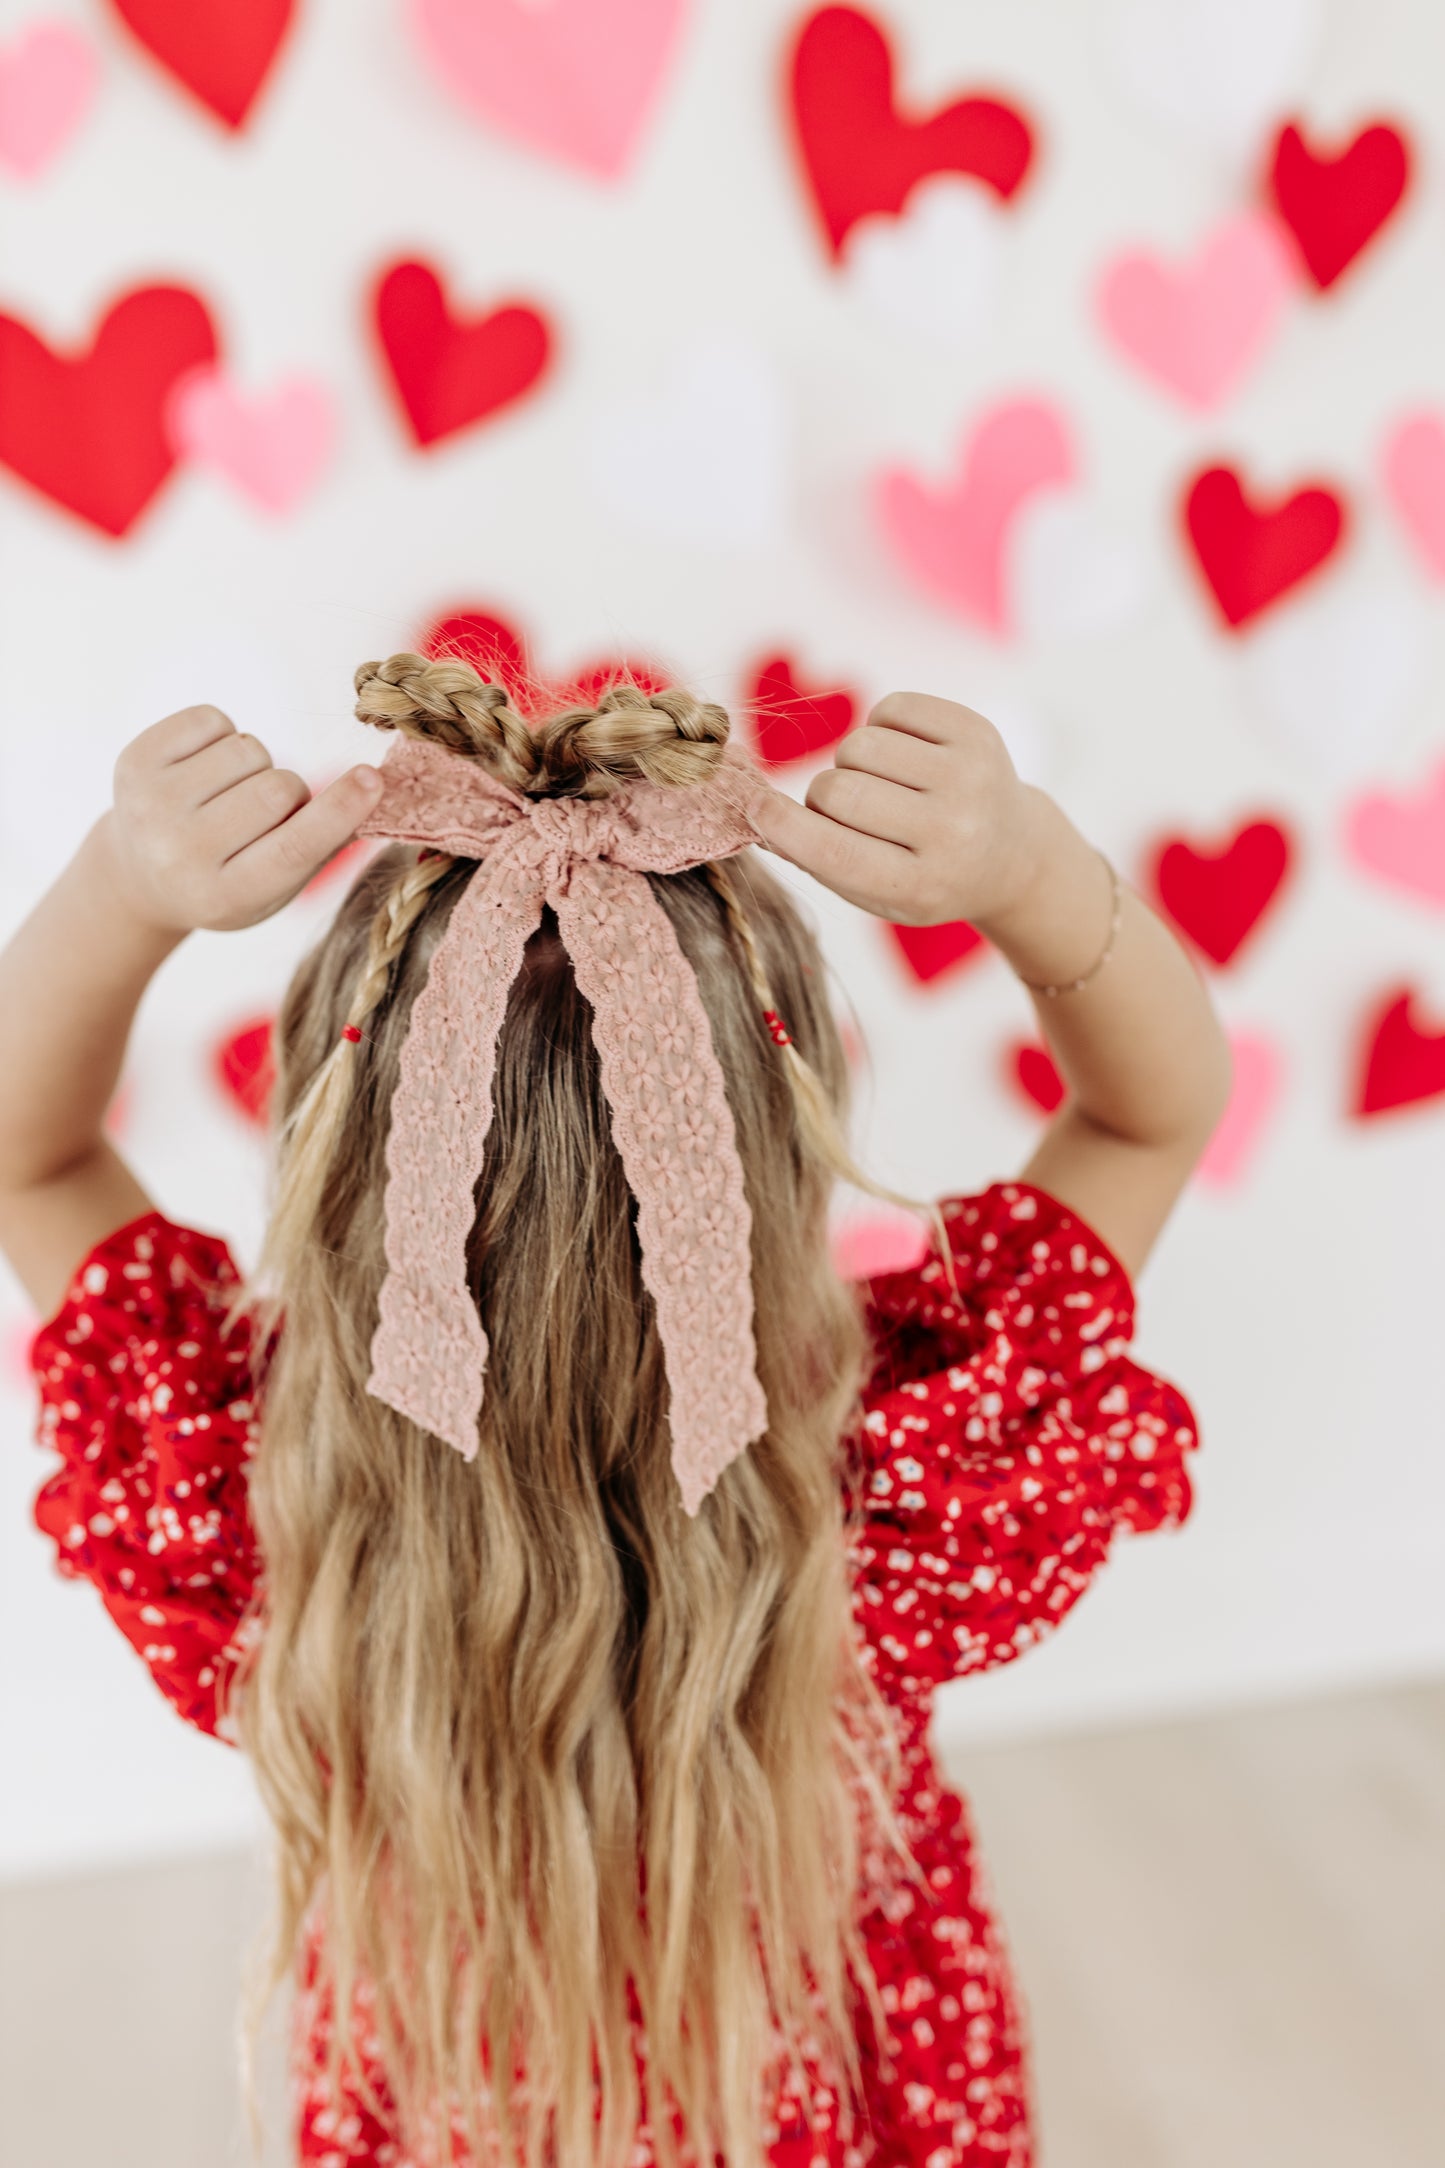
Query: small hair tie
{"points": [[349, 1031], [778, 1031]]}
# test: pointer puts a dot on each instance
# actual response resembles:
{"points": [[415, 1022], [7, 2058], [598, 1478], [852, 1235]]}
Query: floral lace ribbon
{"points": [[670, 1117]]}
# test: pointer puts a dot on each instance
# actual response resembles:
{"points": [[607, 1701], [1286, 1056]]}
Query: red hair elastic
{"points": [[349, 1031], [778, 1031]]}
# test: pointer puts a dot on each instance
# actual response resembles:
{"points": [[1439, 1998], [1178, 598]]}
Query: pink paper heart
{"points": [[864, 1249], [1414, 472], [1258, 1072], [952, 540], [272, 447], [1402, 840], [47, 80], [1196, 327], [16, 1340], [575, 79]]}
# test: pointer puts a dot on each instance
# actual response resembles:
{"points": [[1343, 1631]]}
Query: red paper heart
{"points": [[451, 372], [88, 430], [588, 684], [1334, 206], [243, 1068], [790, 721], [1218, 897], [493, 648], [1404, 1064], [220, 50], [929, 951], [860, 154], [1250, 558], [500, 653], [1032, 1070]]}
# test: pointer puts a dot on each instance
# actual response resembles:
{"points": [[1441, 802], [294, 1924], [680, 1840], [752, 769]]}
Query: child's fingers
{"points": [[917, 763], [279, 859], [217, 767], [870, 803], [923, 715], [865, 869], [174, 738], [236, 818]]}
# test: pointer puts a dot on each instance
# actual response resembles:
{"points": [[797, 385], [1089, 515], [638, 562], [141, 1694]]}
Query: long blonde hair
{"points": [[529, 1737]]}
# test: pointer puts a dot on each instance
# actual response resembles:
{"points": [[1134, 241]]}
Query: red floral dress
{"points": [[1007, 1436]]}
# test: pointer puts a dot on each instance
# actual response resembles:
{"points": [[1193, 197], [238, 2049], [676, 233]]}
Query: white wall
{"points": [[1299, 1308]]}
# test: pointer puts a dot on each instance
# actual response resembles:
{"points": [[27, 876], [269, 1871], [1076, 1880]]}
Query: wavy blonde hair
{"points": [[530, 1738]]}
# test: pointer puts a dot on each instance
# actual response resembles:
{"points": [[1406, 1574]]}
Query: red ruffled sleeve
{"points": [[1007, 1435], [150, 1408]]}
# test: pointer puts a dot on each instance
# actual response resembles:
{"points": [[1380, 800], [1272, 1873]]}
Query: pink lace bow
{"points": [[670, 1116]]}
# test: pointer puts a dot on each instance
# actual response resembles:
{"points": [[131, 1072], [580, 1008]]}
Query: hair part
{"points": [[533, 1742]]}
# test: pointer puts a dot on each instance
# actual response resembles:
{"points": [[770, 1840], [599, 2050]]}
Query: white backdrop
{"points": [[697, 479]]}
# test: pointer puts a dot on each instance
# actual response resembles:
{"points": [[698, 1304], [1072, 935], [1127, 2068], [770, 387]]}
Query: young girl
{"points": [[574, 1554]]}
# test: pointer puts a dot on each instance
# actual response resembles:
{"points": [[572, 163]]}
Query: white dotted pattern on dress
{"points": [[1006, 1437]]}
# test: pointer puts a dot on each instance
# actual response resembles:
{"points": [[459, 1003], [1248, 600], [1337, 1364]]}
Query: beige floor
{"points": [[1231, 1934]]}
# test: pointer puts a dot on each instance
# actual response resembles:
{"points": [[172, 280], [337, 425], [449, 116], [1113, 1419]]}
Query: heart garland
{"points": [[221, 51], [272, 448], [88, 430], [869, 1248], [48, 80], [242, 1065], [1030, 1069], [1413, 471], [935, 952], [1403, 1062], [495, 648], [1197, 328], [952, 537], [98, 432], [1219, 897], [575, 79], [793, 722], [1401, 840], [859, 153], [451, 372], [1252, 557], [1335, 205]]}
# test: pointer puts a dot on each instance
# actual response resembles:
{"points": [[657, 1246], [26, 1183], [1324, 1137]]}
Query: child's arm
{"points": [[921, 820], [1139, 1046], [204, 831]]}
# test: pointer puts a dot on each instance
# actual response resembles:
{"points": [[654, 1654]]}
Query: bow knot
{"points": [[555, 833]]}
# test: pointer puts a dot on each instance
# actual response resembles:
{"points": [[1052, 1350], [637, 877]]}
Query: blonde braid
{"points": [[666, 737], [817, 1118], [306, 1146], [447, 703]]}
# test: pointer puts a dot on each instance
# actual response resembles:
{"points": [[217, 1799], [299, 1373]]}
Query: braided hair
{"points": [[667, 737]]}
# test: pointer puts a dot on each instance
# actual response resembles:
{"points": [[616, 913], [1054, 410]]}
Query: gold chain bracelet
{"points": [[1116, 910]]}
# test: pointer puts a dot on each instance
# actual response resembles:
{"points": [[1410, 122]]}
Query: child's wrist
{"points": [[99, 871], [1041, 833], [1060, 901]]}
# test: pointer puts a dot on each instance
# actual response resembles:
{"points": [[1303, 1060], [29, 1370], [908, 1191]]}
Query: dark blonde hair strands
{"points": [[526, 1733]]}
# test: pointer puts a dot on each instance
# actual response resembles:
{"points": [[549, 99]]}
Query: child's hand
{"points": [[921, 818], [204, 830]]}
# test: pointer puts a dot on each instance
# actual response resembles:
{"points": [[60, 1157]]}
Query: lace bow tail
{"points": [[429, 1352], [674, 1130]]}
